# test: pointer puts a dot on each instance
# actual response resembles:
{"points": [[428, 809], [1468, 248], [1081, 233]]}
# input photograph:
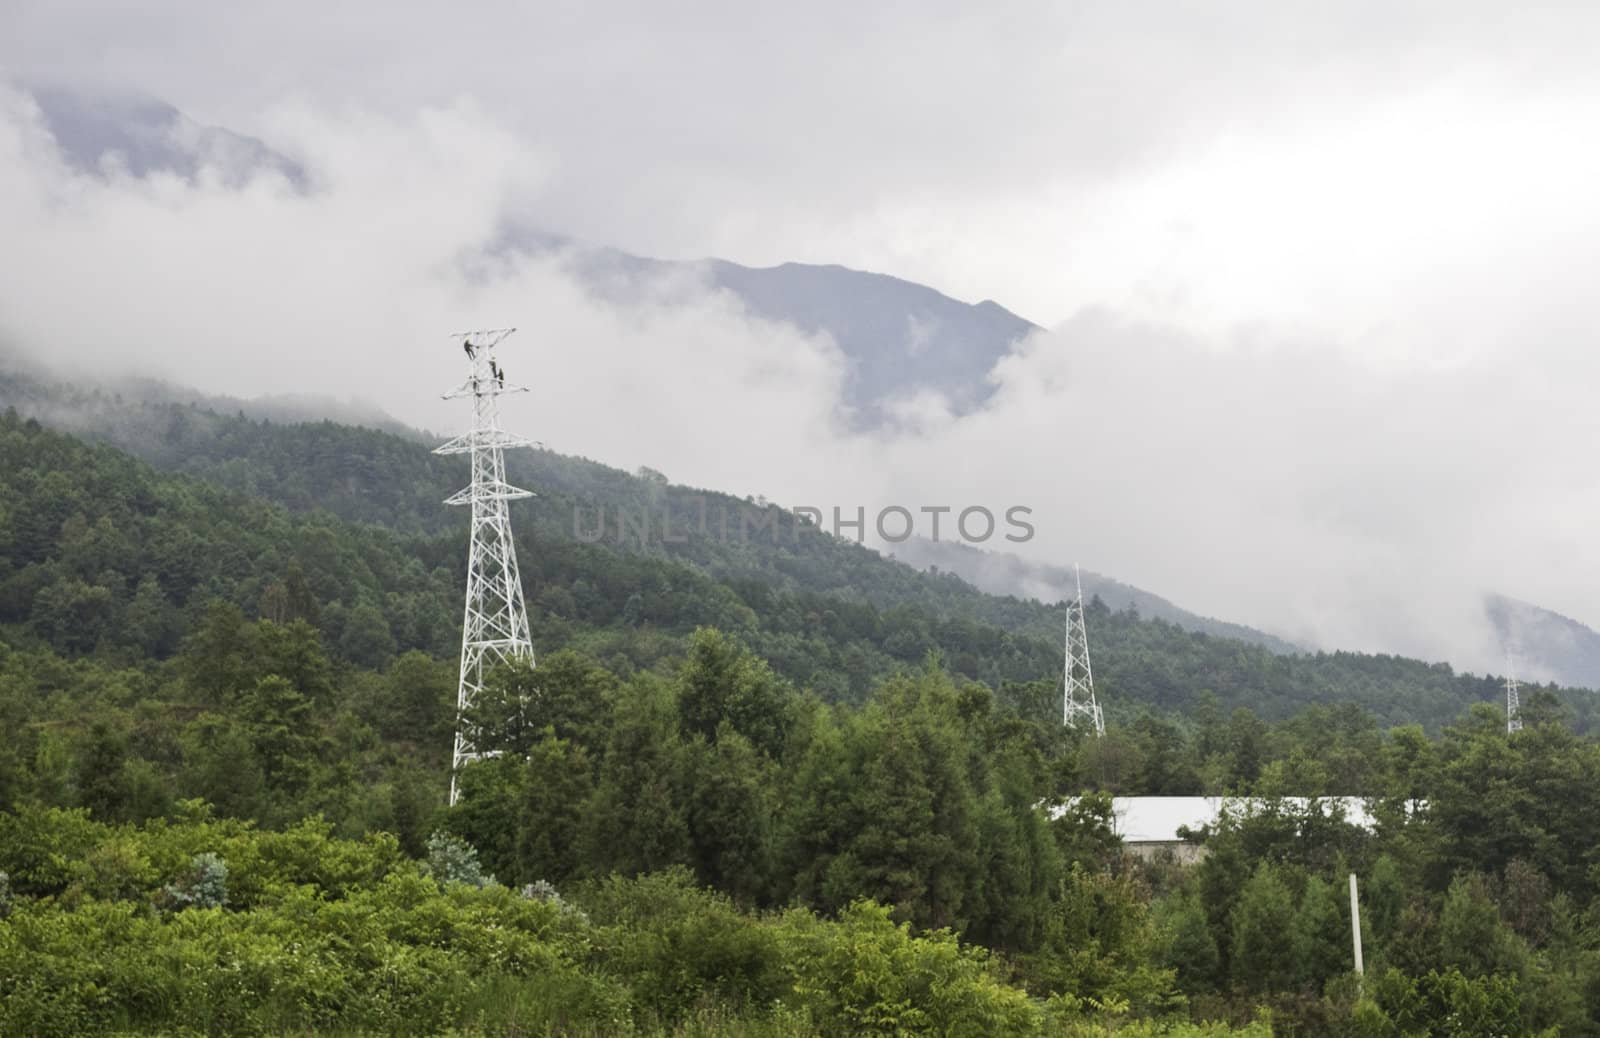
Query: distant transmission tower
{"points": [[1077, 697], [1513, 697], [495, 628]]}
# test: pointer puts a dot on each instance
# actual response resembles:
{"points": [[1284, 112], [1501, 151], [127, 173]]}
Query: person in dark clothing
{"points": [[466, 344]]}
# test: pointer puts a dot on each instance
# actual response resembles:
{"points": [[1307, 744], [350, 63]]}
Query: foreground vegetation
{"points": [[827, 841], [293, 932]]}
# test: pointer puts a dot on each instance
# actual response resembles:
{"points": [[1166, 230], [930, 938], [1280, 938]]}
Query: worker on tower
{"points": [[466, 344]]}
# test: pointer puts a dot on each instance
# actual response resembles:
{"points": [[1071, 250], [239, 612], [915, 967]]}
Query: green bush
{"points": [[867, 975], [678, 945], [204, 885], [452, 860]]}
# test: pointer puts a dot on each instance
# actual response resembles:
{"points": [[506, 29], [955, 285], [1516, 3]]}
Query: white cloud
{"points": [[1321, 497], [350, 290]]}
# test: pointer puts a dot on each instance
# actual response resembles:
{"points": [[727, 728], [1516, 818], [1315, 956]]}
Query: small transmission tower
{"points": [[495, 628], [1513, 697], [1077, 695]]}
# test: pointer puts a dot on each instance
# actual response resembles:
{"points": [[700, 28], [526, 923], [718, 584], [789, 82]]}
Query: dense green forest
{"points": [[749, 788], [830, 614]]}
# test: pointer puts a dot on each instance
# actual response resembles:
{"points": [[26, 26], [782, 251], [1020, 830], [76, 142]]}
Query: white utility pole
{"points": [[1355, 923]]}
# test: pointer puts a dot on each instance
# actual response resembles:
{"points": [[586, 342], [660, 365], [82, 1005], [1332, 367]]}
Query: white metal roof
{"points": [[1158, 819]]}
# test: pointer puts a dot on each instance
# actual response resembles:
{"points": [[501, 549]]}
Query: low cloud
{"points": [[1265, 473], [1298, 490]]}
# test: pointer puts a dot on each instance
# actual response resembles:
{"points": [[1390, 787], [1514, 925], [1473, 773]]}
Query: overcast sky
{"points": [[1319, 277]]}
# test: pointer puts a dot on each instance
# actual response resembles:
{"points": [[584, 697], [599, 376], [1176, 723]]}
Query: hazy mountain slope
{"points": [[1547, 645], [144, 136], [365, 475], [94, 405], [829, 614], [902, 339], [101, 554], [1001, 573]]}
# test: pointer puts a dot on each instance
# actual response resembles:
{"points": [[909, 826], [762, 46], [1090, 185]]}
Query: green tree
{"points": [[554, 793], [282, 733], [367, 640], [217, 653], [1472, 937], [720, 681], [98, 772], [913, 840], [1321, 931], [150, 623], [1189, 948], [418, 701], [220, 765], [1263, 958], [636, 821], [729, 813], [293, 651]]}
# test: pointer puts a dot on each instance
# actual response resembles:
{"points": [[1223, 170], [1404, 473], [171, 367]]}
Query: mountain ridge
{"points": [[901, 339]]}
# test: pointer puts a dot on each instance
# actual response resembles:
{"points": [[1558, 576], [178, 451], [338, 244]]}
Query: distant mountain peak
{"points": [[901, 339], [98, 131]]}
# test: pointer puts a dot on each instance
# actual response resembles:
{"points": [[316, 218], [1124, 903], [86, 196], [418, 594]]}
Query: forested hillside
{"points": [[830, 614], [735, 796]]}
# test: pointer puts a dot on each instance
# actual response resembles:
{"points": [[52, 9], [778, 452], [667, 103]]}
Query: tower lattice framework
{"points": [[1077, 695], [494, 629], [1513, 697]]}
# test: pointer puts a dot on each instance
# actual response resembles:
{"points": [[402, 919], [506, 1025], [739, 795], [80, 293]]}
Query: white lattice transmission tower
{"points": [[495, 627], [1513, 697], [1078, 704]]}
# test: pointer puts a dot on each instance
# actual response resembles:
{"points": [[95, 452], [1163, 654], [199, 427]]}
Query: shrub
{"points": [[204, 885], [866, 975], [452, 860], [677, 944]]}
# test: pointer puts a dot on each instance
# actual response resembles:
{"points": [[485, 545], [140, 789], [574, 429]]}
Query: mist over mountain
{"points": [[829, 613], [1545, 645], [908, 346], [1540, 645], [871, 387], [180, 429], [93, 404], [105, 131], [903, 342], [1002, 573]]}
